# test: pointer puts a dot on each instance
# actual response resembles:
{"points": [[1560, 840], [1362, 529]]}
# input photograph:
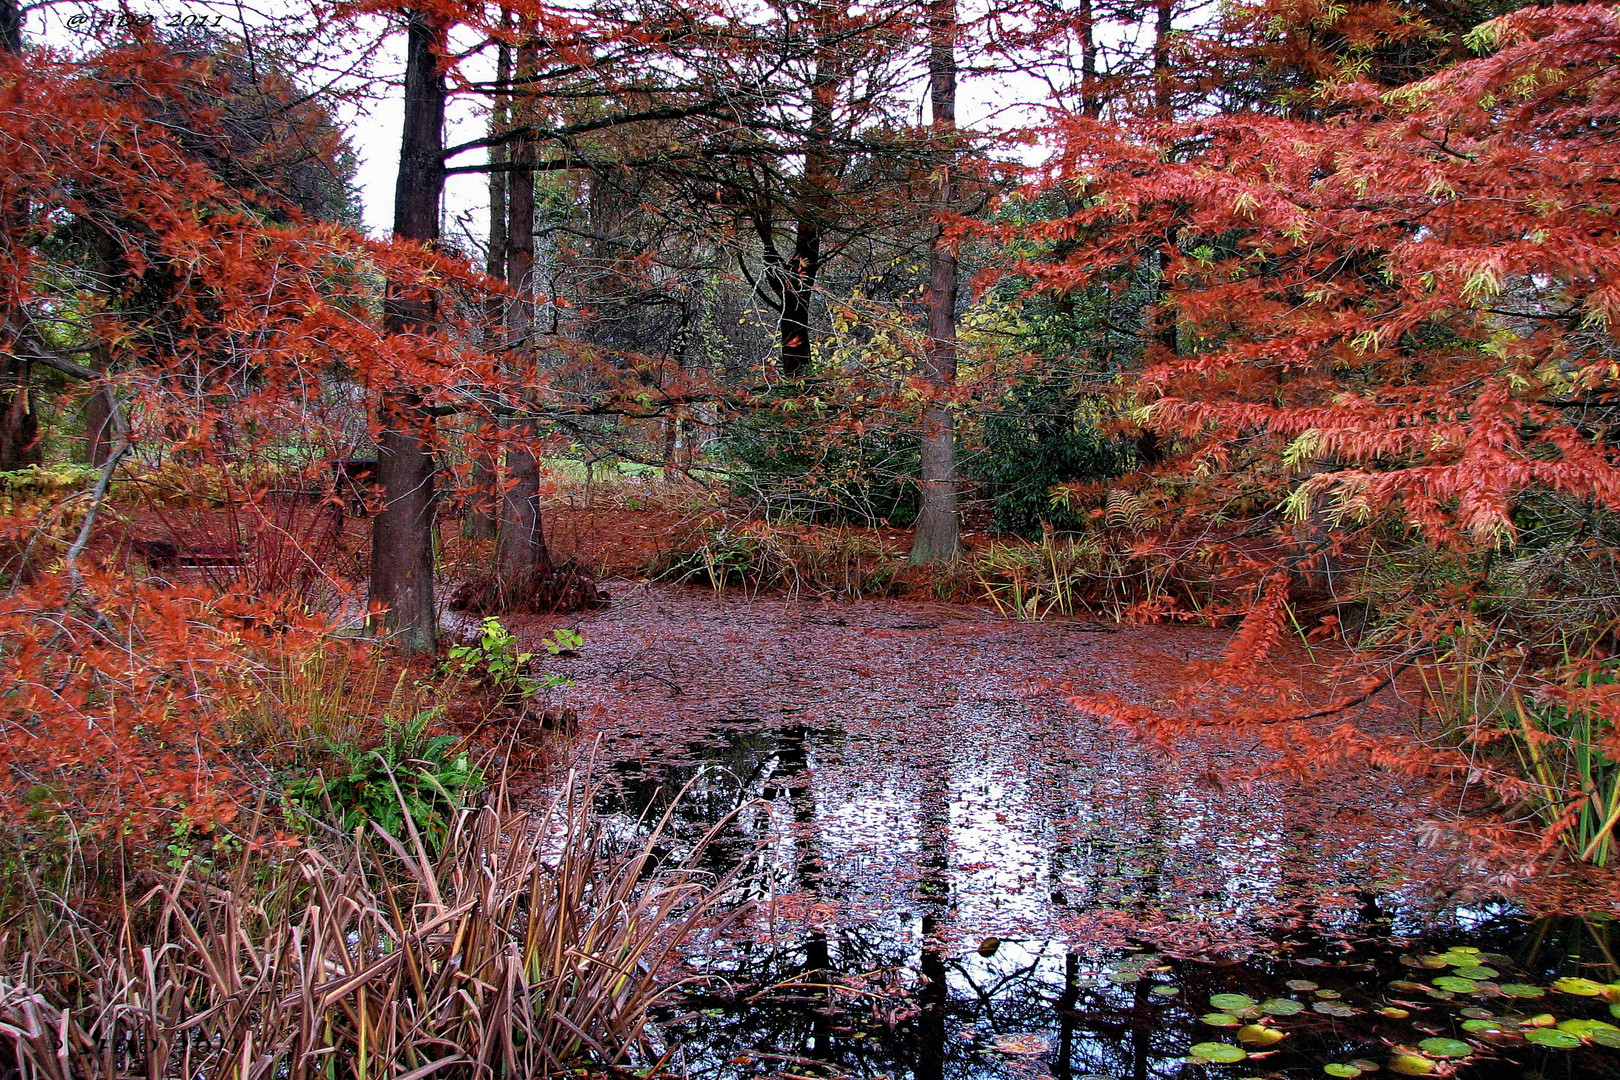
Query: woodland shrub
{"points": [[1037, 438], [842, 561], [816, 460]]}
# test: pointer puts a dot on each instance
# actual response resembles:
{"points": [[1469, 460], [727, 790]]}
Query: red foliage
{"points": [[1396, 314], [227, 327]]}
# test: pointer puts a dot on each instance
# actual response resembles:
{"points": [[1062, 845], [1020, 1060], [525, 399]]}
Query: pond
{"points": [[956, 874]]}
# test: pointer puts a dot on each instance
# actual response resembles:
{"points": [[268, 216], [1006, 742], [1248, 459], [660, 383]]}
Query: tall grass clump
{"points": [[525, 945], [839, 561]]}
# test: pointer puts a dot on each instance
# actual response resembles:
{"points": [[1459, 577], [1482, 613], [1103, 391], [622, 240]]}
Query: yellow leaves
{"points": [[1365, 342], [1306, 447], [1439, 187], [1484, 37], [1245, 204], [1483, 285]]}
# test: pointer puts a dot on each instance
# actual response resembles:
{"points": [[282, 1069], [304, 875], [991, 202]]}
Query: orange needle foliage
{"points": [[1394, 317], [207, 315]]}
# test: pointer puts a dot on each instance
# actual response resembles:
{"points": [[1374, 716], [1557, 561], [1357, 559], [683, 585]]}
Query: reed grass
{"points": [[532, 943]]}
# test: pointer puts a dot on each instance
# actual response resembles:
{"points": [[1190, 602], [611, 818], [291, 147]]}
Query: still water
{"points": [[955, 874]]}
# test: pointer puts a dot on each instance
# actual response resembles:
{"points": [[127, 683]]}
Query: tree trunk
{"points": [[480, 520], [938, 536], [1090, 95], [1163, 104], [19, 425], [402, 533], [520, 543], [10, 27], [798, 285], [100, 425], [798, 277]]}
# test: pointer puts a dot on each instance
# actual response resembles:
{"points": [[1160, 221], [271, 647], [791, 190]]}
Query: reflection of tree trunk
{"points": [[1142, 1025], [402, 533], [938, 534], [790, 779], [931, 998], [1063, 1067], [934, 863]]}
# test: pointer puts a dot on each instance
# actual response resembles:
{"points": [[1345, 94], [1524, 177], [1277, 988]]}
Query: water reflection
{"points": [[1040, 1009], [890, 884], [895, 819]]}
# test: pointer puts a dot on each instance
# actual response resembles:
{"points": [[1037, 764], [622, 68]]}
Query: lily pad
{"points": [[1335, 1009], [1223, 1053], [1364, 1065], [1604, 1037], [1259, 1035], [1394, 1013], [1521, 990], [1586, 1028], [1478, 1013], [1475, 971], [1329, 995], [1350, 1072], [1304, 986], [1167, 991], [1456, 984], [1410, 1065], [1483, 1027], [1281, 1007], [1553, 1038], [1445, 1048], [1231, 1002], [1579, 987], [1221, 1019], [1123, 977]]}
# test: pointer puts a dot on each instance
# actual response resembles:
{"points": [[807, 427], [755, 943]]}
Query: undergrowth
{"points": [[523, 945]]}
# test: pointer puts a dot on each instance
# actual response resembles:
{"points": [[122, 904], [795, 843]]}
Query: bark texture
{"points": [[402, 533], [479, 523], [938, 536], [520, 544]]}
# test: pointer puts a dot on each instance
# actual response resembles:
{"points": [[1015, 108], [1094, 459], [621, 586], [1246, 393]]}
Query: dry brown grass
{"points": [[534, 943]]}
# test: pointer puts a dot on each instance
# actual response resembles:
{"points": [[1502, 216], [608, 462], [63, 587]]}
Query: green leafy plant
{"points": [[409, 776], [494, 659], [1570, 753]]}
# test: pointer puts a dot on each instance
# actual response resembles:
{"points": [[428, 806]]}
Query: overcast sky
{"points": [[374, 124]]}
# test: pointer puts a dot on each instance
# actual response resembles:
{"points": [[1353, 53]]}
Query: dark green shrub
{"points": [[802, 459], [1037, 437]]}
